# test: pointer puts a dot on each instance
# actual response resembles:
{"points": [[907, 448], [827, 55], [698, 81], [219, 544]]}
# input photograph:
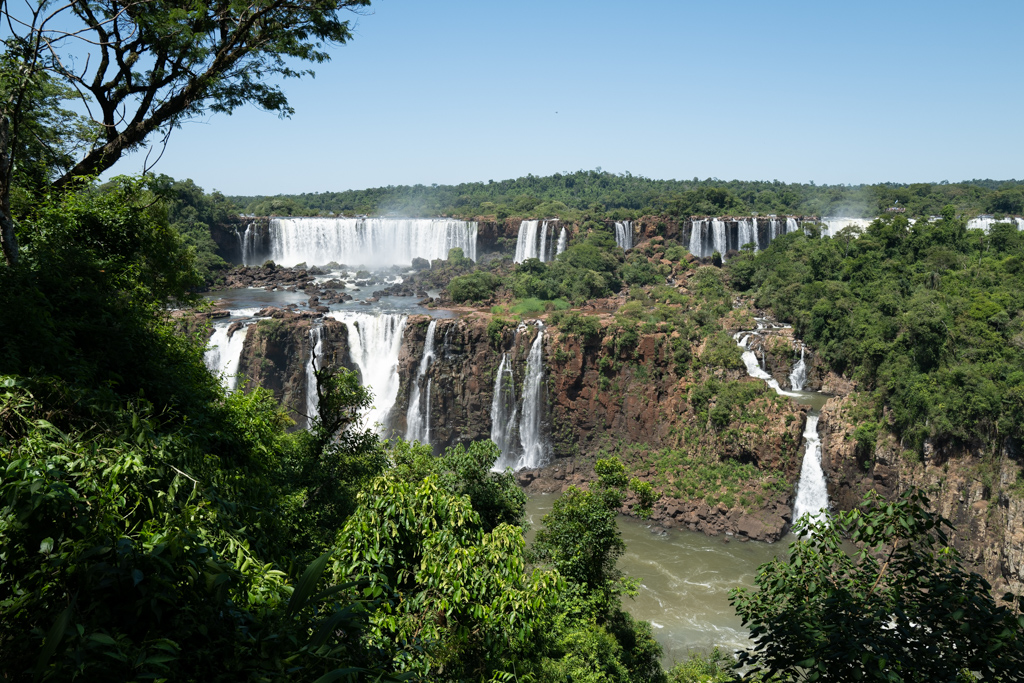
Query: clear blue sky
{"points": [[452, 91]]}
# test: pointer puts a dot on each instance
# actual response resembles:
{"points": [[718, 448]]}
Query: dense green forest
{"points": [[625, 196]]}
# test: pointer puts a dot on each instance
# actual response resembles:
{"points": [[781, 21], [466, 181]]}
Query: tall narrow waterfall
{"points": [[534, 241], [223, 353], [563, 242], [746, 233], [528, 450], [316, 346], [247, 244], [812, 490], [417, 418], [374, 342], [624, 234], [529, 427], [697, 238], [368, 241], [773, 229], [719, 236], [798, 376], [504, 411], [792, 225]]}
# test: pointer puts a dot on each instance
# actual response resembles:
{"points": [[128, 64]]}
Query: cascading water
{"points": [[697, 230], [533, 242], [563, 242], [504, 411], [811, 491], [529, 426], [747, 233], [720, 237], [223, 353], [792, 225], [368, 241], [247, 244], [798, 376], [374, 342], [418, 416], [773, 229], [529, 450], [316, 346], [624, 234]]}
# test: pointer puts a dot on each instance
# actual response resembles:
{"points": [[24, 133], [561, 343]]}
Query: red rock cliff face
{"points": [[975, 487], [276, 355]]}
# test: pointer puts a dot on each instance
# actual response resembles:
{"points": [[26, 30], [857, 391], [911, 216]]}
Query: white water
{"points": [[417, 418], [534, 241], [374, 342], [747, 233], [563, 242], [316, 345], [504, 411], [798, 376], [223, 353], [986, 222], [811, 491], [529, 427], [834, 225], [754, 368], [624, 234], [791, 225], [248, 245], [369, 242], [696, 238], [529, 450]]}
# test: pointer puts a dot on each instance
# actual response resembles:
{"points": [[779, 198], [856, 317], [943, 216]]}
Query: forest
{"points": [[154, 526], [624, 196]]}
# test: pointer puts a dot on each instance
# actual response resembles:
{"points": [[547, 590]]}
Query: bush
{"points": [[477, 286], [584, 327]]}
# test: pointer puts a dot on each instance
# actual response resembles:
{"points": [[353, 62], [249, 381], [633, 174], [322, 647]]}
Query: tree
{"points": [[148, 67], [901, 608]]}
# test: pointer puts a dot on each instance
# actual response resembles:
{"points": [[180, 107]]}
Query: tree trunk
{"points": [[8, 238]]}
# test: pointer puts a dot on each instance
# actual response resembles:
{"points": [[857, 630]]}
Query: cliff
{"points": [[975, 486]]}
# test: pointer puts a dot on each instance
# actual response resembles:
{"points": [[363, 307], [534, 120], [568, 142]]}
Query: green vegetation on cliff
{"points": [[928, 317]]}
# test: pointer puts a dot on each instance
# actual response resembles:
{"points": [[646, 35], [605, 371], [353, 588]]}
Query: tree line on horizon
{"points": [[625, 196]]}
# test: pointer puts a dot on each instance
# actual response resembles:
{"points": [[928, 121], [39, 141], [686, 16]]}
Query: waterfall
{"points": [[624, 234], [697, 229], [773, 229], [249, 245], [754, 368], [418, 416], [504, 411], [368, 241], [530, 451], [720, 237], [374, 341], [703, 244], [798, 376], [563, 242], [811, 491], [532, 241], [791, 225], [316, 346], [746, 233], [223, 353], [529, 426]]}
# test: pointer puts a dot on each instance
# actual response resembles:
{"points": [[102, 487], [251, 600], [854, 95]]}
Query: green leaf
{"points": [[53, 637], [307, 583]]}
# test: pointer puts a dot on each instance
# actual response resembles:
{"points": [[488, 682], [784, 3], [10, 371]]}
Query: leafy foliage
{"points": [[902, 607]]}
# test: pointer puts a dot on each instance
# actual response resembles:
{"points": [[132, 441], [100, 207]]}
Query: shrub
{"points": [[473, 287]]}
